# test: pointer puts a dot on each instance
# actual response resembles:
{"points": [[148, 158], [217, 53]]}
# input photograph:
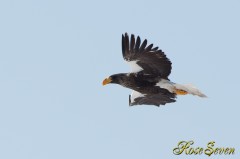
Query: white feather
{"points": [[172, 87], [135, 95], [168, 85], [134, 66]]}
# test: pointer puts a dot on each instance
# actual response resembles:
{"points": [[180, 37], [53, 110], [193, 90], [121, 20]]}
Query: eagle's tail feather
{"points": [[182, 89]]}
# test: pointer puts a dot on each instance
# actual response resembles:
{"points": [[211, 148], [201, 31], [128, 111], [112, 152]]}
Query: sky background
{"points": [[54, 55]]}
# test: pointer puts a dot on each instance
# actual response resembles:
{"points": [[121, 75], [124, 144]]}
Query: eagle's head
{"points": [[116, 79]]}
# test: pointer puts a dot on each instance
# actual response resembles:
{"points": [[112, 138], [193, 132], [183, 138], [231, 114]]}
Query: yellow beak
{"points": [[106, 81]]}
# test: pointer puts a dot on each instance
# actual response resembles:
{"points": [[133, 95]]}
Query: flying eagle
{"points": [[148, 78]]}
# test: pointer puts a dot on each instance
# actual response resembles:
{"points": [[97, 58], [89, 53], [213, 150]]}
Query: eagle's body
{"points": [[149, 75]]}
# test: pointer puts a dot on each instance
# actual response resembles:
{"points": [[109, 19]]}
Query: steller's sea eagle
{"points": [[148, 78]]}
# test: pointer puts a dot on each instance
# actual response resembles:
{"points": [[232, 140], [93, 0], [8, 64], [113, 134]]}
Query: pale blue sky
{"points": [[55, 54]]}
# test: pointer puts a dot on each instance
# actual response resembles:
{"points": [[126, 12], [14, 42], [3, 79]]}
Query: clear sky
{"points": [[54, 55]]}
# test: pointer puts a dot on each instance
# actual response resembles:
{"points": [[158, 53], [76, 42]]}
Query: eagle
{"points": [[148, 78]]}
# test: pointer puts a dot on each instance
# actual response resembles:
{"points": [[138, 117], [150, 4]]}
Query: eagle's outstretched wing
{"points": [[143, 57], [158, 99]]}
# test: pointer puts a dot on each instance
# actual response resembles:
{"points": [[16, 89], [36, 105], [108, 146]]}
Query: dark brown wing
{"points": [[153, 99], [151, 60]]}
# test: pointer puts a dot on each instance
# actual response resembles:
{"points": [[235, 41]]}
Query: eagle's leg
{"points": [[180, 92]]}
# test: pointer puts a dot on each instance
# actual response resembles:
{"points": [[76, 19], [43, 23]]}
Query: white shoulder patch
{"points": [[134, 66], [135, 95], [168, 85]]}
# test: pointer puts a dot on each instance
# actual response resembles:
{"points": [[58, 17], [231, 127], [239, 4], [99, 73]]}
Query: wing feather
{"points": [[138, 42], [137, 98], [123, 47], [151, 60], [144, 44], [149, 48], [132, 43], [155, 49], [126, 45]]}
